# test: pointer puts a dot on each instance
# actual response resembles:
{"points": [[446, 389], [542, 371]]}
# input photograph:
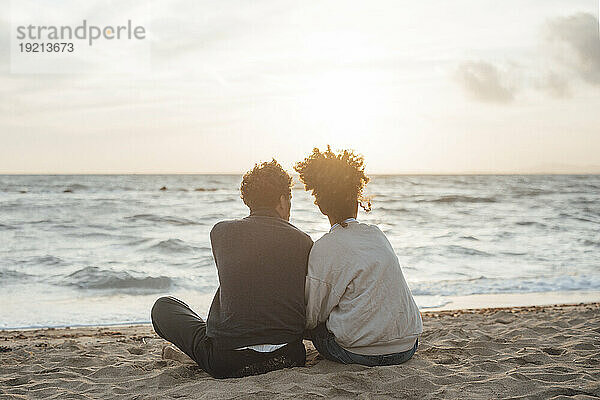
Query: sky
{"points": [[477, 86]]}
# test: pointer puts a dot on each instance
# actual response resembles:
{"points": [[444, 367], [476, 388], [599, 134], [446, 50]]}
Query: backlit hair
{"points": [[263, 186], [336, 180]]}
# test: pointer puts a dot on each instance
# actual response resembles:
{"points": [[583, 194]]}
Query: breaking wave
{"points": [[96, 278], [173, 246], [162, 219]]}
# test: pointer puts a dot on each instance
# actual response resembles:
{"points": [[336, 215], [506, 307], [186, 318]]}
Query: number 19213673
{"points": [[64, 47]]}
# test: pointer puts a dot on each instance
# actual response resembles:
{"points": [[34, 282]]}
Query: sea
{"points": [[100, 249]]}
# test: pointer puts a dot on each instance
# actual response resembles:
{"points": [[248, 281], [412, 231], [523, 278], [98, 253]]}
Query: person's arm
{"points": [[320, 296]]}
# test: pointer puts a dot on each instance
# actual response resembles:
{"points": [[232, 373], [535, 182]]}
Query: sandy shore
{"points": [[522, 352]]}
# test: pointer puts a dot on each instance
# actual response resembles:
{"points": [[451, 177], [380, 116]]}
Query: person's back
{"points": [[261, 261], [256, 320], [359, 307], [370, 310]]}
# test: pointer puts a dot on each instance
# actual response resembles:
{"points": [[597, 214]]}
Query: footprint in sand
{"points": [[138, 351], [552, 351], [22, 380]]}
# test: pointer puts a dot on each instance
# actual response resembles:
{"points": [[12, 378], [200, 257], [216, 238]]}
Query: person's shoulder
{"points": [[224, 226], [341, 238], [369, 228], [366, 225], [299, 232], [324, 245], [375, 236]]}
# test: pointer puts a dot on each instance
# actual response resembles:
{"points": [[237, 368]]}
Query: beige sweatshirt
{"points": [[355, 283]]}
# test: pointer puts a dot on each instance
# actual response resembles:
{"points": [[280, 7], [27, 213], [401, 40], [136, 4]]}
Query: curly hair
{"points": [[336, 180], [264, 185]]}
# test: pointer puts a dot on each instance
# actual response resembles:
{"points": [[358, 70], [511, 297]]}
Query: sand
{"points": [[524, 352]]}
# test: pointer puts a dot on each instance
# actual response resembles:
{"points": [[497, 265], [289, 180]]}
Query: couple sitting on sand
{"points": [[345, 292]]}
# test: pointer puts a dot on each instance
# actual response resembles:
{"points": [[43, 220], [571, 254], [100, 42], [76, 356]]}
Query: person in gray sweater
{"points": [[359, 309], [257, 317]]}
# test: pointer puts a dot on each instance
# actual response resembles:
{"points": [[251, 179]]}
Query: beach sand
{"points": [[521, 352]]}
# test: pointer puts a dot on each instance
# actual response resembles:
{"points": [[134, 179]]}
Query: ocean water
{"points": [[100, 249]]}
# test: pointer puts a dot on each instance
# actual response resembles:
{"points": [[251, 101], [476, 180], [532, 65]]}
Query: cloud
{"points": [[577, 44], [483, 81], [555, 85], [570, 52]]}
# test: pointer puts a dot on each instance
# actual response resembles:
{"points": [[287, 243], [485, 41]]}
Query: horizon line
{"points": [[480, 173]]}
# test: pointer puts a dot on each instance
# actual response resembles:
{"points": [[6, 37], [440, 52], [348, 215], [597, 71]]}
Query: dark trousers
{"points": [[174, 321], [324, 342]]}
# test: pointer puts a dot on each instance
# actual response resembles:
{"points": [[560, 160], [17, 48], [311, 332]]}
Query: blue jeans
{"points": [[325, 343]]}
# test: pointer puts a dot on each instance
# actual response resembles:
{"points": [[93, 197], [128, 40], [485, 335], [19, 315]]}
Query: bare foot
{"points": [[170, 352], [312, 357]]}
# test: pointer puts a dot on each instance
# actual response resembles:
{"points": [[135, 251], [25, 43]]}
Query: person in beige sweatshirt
{"points": [[359, 309]]}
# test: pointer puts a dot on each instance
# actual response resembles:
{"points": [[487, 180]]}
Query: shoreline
{"points": [[425, 313], [430, 312], [470, 302], [509, 300]]}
